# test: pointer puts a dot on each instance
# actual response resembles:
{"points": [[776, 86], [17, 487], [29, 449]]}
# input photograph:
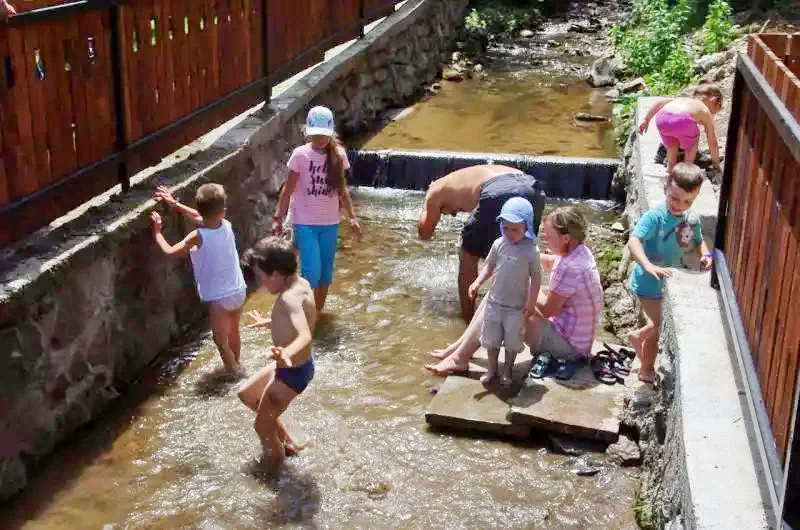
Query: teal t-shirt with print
{"points": [[665, 238]]}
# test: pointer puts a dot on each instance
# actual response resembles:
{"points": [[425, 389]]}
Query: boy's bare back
{"points": [[299, 297]]}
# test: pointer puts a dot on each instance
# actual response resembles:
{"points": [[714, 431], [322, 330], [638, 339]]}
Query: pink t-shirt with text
{"points": [[313, 201], [576, 278]]}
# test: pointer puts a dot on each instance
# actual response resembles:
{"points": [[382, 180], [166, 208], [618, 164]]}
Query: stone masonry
{"points": [[87, 303]]}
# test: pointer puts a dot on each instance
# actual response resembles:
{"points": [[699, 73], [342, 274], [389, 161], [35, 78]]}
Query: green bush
{"points": [[676, 73], [718, 30], [502, 21]]}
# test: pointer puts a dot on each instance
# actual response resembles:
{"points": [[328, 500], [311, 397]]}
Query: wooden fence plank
{"points": [[24, 175]]}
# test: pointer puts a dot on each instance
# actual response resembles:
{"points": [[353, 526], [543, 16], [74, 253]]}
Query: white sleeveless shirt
{"points": [[216, 264]]}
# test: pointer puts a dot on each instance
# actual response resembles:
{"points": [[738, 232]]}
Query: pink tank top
{"points": [[313, 201]]}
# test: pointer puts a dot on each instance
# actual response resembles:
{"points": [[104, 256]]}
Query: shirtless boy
{"points": [[270, 390]]}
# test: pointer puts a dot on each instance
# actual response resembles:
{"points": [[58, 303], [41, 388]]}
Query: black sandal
{"points": [[603, 369]]}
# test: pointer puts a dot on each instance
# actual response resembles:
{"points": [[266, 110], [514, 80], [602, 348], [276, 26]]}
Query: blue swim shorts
{"points": [[317, 246], [645, 285], [297, 377]]}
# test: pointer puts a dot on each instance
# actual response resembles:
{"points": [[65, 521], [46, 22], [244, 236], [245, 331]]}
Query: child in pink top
{"points": [[316, 187], [677, 120]]}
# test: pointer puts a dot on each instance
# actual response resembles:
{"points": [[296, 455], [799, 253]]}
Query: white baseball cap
{"points": [[319, 122]]}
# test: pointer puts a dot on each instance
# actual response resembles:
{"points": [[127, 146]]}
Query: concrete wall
{"points": [[699, 467], [86, 304]]}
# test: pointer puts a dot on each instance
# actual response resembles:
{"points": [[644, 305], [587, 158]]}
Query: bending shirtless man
{"points": [[482, 190]]}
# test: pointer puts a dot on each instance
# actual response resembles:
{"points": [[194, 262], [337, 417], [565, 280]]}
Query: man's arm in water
{"points": [[429, 217]]}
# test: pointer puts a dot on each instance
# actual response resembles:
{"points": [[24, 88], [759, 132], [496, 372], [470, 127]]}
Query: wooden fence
{"points": [[758, 246], [92, 91]]}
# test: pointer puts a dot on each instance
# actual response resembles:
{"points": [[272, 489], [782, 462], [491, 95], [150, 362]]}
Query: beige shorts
{"points": [[551, 341], [503, 327], [232, 302]]}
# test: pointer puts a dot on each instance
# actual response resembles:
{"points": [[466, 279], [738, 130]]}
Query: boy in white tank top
{"points": [[215, 261]]}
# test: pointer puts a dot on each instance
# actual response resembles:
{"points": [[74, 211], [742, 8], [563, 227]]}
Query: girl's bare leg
{"points": [[468, 344], [672, 156]]}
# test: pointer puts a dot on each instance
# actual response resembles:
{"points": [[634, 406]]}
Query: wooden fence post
{"points": [[361, 21], [727, 175], [119, 94], [265, 49]]}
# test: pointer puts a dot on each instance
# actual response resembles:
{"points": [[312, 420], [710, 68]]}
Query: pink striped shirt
{"points": [[576, 278], [313, 201]]}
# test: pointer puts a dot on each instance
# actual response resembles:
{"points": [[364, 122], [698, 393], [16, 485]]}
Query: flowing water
{"points": [[174, 452], [524, 101]]}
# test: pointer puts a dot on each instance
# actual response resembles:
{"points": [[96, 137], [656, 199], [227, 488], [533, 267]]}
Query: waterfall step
{"points": [[561, 176]]}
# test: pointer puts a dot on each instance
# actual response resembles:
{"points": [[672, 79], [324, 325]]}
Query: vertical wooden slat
{"points": [[34, 42], [23, 175]]}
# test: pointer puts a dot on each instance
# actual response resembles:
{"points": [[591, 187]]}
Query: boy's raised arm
{"points": [[179, 248], [165, 196]]}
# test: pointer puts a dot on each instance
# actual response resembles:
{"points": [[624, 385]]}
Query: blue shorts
{"points": [[297, 377], [645, 285], [317, 246]]}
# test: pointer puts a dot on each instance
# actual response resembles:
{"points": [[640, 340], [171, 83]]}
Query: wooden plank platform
{"points": [[581, 407]]}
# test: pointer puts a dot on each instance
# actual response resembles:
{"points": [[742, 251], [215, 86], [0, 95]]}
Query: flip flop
{"points": [[540, 365], [602, 368], [566, 369]]}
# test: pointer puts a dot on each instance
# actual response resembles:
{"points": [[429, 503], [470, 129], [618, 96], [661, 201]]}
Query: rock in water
{"points": [[582, 116], [452, 75], [526, 34], [625, 452], [634, 85], [612, 94], [618, 227], [602, 72]]}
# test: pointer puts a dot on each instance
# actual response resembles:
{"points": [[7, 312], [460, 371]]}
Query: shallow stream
{"points": [[174, 452]]}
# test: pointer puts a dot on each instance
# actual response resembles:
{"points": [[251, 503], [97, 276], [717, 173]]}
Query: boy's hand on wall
{"points": [[157, 223], [6, 10], [706, 262], [658, 272], [163, 195]]}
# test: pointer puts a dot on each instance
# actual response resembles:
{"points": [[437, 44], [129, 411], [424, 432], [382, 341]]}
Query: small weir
{"points": [[562, 177]]}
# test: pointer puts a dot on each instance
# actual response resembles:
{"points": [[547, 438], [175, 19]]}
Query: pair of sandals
{"points": [[610, 366], [546, 364]]}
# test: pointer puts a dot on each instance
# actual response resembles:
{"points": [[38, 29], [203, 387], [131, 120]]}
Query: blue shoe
{"points": [[566, 369]]}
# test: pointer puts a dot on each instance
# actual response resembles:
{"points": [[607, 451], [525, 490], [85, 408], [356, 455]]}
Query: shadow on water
{"points": [[297, 496], [93, 442]]}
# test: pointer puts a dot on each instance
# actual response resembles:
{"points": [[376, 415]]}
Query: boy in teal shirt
{"points": [[658, 241]]}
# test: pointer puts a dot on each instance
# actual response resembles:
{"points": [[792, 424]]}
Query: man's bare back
{"points": [[456, 192], [298, 297]]}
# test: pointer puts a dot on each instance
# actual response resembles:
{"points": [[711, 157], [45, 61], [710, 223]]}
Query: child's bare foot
{"points": [[446, 367], [441, 353], [292, 448], [647, 377], [487, 378]]}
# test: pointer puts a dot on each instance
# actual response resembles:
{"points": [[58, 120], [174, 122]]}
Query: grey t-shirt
{"points": [[513, 265]]}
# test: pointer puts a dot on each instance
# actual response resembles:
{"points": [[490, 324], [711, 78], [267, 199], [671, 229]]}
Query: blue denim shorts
{"points": [[317, 246]]}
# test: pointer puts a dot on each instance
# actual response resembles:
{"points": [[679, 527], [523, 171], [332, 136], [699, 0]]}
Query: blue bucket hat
{"points": [[518, 210]]}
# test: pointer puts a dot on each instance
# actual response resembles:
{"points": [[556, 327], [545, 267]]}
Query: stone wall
{"points": [[693, 430], [88, 303]]}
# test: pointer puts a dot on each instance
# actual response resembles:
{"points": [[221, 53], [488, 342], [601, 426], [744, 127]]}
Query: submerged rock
{"points": [[612, 94], [582, 116], [526, 34], [450, 74]]}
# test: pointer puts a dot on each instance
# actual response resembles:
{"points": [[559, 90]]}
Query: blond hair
{"points": [[709, 90], [210, 199], [569, 220]]}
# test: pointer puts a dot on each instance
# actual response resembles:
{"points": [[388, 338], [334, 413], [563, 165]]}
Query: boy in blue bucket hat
{"points": [[515, 257]]}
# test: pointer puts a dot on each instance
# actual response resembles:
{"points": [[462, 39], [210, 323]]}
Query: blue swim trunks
{"points": [[297, 377]]}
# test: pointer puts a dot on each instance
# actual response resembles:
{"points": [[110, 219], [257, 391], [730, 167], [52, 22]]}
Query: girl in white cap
{"points": [[317, 187]]}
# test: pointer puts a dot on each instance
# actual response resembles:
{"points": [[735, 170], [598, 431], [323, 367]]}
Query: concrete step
{"points": [[581, 407]]}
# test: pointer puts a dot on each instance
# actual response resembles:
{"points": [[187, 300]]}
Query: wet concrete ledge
{"points": [[88, 302], [705, 472], [561, 176]]}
